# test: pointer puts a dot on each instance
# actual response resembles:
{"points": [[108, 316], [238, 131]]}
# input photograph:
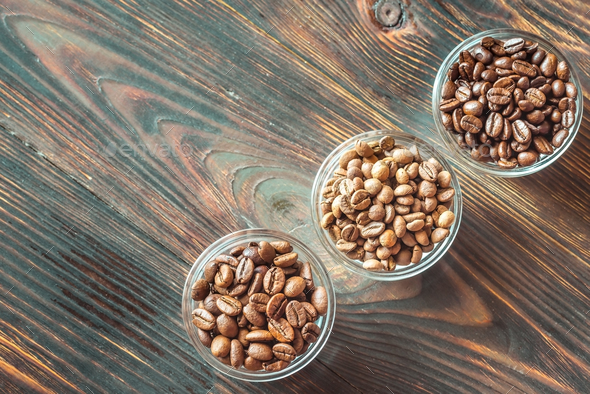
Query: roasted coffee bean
{"points": [[513, 45], [310, 312], [310, 332], [498, 96], [294, 286], [275, 366], [285, 260], [284, 352], [227, 259], [259, 336], [245, 270], [319, 299], [449, 104], [521, 132], [373, 229], [260, 351], [229, 305], [203, 319], [200, 290], [224, 276], [281, 330], [307, 275], [274, 281], [549, 65], [252, 364], [253, 316], [276, 306], [236, 354], [570, 90], [567, 119], [205, 337], [211, 270], [494, 125], [463, 94], [227, 326], [295, 314], [259, 301], [524, 68], [220, 346], [255, 284], [536, 97], [542, 145], [527, 158], [284, 247]]}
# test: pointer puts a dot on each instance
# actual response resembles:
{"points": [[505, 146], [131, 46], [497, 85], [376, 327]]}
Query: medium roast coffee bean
{"points": [[274, 281], [220, 346], [224, 276], [237, 354], [245, 270], [319, 299], [229, 305], [310, 332], [295, 313], [275, 366], [200, 290], [276, 306], [203, 319], [259, 336], [260, 351], [284, 352], [281, 330], [227, 326]]}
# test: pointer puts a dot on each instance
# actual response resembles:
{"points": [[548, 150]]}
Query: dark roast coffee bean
{"points": [[482, 54], [520, 131], [570, 90], [499, 96], [542, 145], [527, 158], [513, 45], [560, 137], [310, 332], [524, 68], [549, 65], [449, 89], [463, 94], [494, 124], [536, 97], [473, 107], [526, 105], [567, 119], [471, 124]]}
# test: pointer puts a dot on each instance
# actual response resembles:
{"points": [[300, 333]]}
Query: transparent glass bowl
{"points": [[326, 172], [463, 155], [320, 276]]}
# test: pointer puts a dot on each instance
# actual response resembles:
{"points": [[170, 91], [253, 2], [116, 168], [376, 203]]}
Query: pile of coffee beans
{"points": [[509, 102], [386, 206], [257, 306]]}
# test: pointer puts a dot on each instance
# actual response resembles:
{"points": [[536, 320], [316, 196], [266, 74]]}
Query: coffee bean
{"points": [[274, 281], [548, 65], [439, 234], [513, 45], [203, 319], [310, 332], [229, 305], [295, 314], [542, 145], [259, 301], [211, 269], [498, 96], [535, 117], [220, 346], [227, 326], [224, 276], [567, 119], [245, 270], [319, 299], [449, 105], [466, 70], [570, 90], [281, 330], [463, 94], [252, 364], [560, 137], [200, 290], [227, 259], [521, 132], [276, 306], [448, 91], [536, 97], [236, 354], [260, 351], [285, 260], [205, 337], [284, 352], [527, 158], [294, 286]]}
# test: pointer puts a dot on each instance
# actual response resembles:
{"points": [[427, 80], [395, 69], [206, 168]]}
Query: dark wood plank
{"points": [[89, 302], [259, 93]]}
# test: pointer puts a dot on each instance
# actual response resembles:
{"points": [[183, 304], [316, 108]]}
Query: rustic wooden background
{"points": [[135, 133]]}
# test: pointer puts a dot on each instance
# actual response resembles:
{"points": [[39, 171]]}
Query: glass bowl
{"points": [[463, 155], [243, 237], [326, 172]]}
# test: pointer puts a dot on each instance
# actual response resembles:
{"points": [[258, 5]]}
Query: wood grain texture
{"points": [[182, 121]]}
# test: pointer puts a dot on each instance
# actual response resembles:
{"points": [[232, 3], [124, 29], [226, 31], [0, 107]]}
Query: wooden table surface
{"points": [[135, 133]]}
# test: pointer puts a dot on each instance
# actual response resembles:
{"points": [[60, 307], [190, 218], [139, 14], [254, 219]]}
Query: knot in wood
{"points": [[388, 12]]}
